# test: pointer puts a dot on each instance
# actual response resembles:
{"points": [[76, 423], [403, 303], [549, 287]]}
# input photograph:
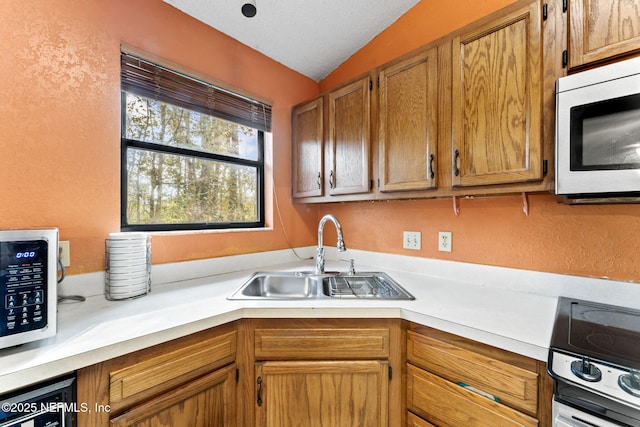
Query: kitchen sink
{"points": [[279, 286], [296, 285], [363, 285]]}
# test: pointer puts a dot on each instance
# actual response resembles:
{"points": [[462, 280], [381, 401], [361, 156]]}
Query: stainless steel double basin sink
{"points": [[298, 285]]}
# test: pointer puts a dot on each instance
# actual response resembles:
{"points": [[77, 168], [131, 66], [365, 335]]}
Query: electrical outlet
{"points": [[65, 254], [444, 241], [411, 240]]}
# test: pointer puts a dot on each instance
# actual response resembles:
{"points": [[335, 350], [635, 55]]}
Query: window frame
{"points": [[127, 143]]}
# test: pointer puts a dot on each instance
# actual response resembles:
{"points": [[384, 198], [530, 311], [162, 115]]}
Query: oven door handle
{"points": [[562, 421], [565, 416]]}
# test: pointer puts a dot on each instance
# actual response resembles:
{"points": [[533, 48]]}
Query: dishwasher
{"points": [[48, 404]]}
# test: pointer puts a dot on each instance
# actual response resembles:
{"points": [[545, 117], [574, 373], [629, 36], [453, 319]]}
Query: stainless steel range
{"points": [[595, 361]]}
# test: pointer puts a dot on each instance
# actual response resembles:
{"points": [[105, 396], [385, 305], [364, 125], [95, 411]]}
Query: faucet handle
{"points": [[352, 268]]}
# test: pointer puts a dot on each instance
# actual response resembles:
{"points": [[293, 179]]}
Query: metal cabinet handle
{"points": [[319, 180], [431, 173], [456, 170], [259, 391], [331, 179]]}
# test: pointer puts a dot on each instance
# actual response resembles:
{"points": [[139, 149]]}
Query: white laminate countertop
{"points": [[510, 309]]}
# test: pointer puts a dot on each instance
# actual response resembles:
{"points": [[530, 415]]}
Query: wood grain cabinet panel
{"points": [[319, 343], [407, 120], [206, 402], [322, 393], [323, 372], [307, 147], [602, 29], [497, 100], [513, 385], [189, 381], [155, 371], [447, 404], [415, 421], [349, 139]]}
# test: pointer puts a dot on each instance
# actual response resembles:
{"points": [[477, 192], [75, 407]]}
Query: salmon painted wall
{"points": [[60, 120], [595, 241]]}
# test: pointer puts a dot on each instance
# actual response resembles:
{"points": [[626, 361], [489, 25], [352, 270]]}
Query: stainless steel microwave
{"points": [[28, 285], [598, 133]]}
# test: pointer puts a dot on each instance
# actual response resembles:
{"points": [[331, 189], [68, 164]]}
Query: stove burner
{"points": [[615, 345], [605, 332], [630, 382]]}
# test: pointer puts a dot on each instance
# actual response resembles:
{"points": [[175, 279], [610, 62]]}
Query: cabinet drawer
{"points": [[447, 404], [317, 343], [173, 366], [514, 386], [416, 421]]}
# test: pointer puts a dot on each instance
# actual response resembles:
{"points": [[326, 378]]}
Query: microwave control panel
{"points": [[23, 286]]}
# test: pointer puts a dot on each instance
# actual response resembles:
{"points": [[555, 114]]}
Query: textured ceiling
{"points": [[312, 37]]}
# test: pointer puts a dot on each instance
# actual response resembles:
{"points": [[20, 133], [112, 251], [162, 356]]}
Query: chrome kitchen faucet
{"points": [[320, 252]]}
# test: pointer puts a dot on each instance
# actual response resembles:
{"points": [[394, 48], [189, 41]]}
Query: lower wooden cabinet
{"points": [[189, 381], [208, 401], [449, 404], [452, 381], [322, 393], [323, 372], [319, 372], [416, 421]]}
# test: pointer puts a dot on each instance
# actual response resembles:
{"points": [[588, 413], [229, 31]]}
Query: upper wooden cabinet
{"points": [[331, 157], [307, 134], [407, 120], [496, 100], [602, 29], [471, 113], [349, 139]]}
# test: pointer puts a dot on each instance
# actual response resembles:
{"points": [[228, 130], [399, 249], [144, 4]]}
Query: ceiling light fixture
{"points": [[249, 8]]}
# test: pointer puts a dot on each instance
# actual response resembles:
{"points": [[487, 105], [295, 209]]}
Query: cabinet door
{"points": [[408, 123], [206, 402], [322, 393], [601, 29], [349, 138], [307, 128], [497, 100]]}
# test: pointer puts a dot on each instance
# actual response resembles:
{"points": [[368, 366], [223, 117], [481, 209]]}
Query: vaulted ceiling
{"points": [[312, 37]]}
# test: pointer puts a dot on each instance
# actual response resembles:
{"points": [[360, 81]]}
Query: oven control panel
{"points": [[23, 286], [594, 376]]}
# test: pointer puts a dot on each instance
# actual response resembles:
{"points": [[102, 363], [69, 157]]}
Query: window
{"points": [[192, 153]]}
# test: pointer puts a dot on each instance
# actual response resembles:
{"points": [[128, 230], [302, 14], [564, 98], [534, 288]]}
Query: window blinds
{"points": [[145, 78]]}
